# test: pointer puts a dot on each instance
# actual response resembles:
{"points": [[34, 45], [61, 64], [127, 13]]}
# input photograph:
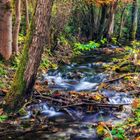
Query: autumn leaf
{"points": [[100, 130], [1, 111], [136, 103], [138, 138], [97, 96]]}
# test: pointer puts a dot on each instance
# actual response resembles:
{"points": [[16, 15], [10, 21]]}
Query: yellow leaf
{"points": [[100, 130], [138, 138]]}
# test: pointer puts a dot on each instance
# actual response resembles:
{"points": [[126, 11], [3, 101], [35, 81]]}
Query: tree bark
{"points": [[111, 23], [5, 29], [16, 26], [134, 23], [102, 21], [27, 16], [111, 19], [121, 23], [31, 56]]}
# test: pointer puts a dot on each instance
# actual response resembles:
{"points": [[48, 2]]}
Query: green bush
{"points": [[79, 48]]}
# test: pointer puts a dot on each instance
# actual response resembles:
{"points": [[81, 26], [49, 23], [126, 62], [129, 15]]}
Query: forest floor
{"points": [[121, 77]]}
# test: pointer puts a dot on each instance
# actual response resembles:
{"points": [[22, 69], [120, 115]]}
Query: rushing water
{"points": [[80, 77], [76, 77]]}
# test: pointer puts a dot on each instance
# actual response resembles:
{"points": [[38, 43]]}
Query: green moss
{"points": [[22, 112], [17, 89], [16, 97]]}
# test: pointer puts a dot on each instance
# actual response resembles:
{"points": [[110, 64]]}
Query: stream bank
{"points": [[74, 99]]}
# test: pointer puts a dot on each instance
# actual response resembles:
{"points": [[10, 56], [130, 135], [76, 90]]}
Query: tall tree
{"points": [[5, 29], [107, 20], [113, 7], [103, 20], [27, 16], [134, 24], [121, 22], [31, 56], [17, 25]]}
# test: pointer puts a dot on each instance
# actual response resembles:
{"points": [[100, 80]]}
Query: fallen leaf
{"points": [[100, 130], [1, 111], [136, 103], [138, 138]]}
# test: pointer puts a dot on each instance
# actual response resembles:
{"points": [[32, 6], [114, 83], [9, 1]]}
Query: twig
{"points": [[51, 99], [96, 105], [70, 114]]}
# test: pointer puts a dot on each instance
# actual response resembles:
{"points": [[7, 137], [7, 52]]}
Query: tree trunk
{"points": [[5, 29], [16, 26], [27, 16], [111, 19], [111, 23], [92, 21], [31, 56], [134, 25], [121, 23], [102, 21]]}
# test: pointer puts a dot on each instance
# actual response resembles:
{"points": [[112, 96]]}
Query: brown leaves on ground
{"points": [[103, 129], [41, 87], [95, 96], [4, 91], [1, 111], [125, 83], [136, 103], [138, 138]]}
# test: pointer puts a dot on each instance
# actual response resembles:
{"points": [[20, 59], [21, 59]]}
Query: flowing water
{"points": [[80, 77]]}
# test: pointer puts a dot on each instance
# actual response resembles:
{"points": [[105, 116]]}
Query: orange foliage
{"points": [[102, 2]]}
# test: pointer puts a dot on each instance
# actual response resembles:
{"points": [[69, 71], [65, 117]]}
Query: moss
{"points": [[17, 89], [22, 112], [133, 32], [15, 97]]}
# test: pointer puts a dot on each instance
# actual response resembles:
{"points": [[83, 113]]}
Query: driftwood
{"points": [[70, 114], [119, 78], [96, 105], [63, 105], [51, 99]]}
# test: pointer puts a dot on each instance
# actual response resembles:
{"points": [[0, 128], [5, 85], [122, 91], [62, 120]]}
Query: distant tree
{"points": [[122, 19], [31, 56], [107, 21], [17, 11], [27, 16], [111, 20], [134, 21], [5, 29]]}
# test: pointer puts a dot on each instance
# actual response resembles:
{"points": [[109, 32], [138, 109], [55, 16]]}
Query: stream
{"points": [[80, 77]]}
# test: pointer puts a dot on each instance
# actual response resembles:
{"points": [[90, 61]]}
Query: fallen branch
{"points": [[119, 78], [96, 105], [70, 114], [51, 99]]}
